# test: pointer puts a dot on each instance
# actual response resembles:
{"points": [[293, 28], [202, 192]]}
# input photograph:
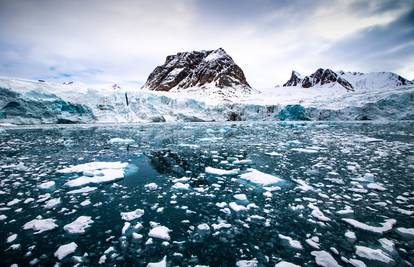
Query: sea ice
{"points": [[95, 173], [79, 225], [46, 185], [40, 225], [51, 203], [386, 226], [373, 254], [132, 215], [151, 186], [122, 141], [292, 243], [406, 232], [286, 264], [215, 171], [324, 259], [162, 263], [65, 250], [258, 177], [160, 232]]}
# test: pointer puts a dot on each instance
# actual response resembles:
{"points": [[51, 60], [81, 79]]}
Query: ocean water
{"points": [[344, 194]]}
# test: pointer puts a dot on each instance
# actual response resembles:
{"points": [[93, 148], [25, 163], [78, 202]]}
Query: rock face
{"points": [[319, 77], [197, 69]]}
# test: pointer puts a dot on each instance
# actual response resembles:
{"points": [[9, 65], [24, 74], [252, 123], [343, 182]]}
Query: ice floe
{"points": [[47, 185], [124, 141], [257, 177], [385, 226], [40, 225], [79, 225], [215, 171], [95, 173], [160, 232], [373, 254], [324, 259], [132, 215], [65, 250]]}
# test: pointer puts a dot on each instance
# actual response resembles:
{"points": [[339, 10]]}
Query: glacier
{"points": [[376, 97]]}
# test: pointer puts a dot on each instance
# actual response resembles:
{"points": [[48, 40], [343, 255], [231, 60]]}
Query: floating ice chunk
{"points": [[99, 176], [376, 186], [79, 225], [181, 180], [13, 202], [305, 150], [303, 185], [181, 186], [221, 204], [162, 263], [286, 264], [217, 226], [347, 210], [350, 236], [373, 254], [273, 153], [51, 203], [151, 186], [46, 185], [324, 259], [236, 207], [313, 242], [242, 161], [406, 232], [386, 226], [40, 225], [85, 189], [11, 238], [160, 232], [215, 171], [247, 263], [357, 263], [387, 245], [241, 197], [203, 228], [132, 215], [122, 141], [65, 250], [369, 139], [86, 202], [292, 243], [137, 236], [125, 227], [93, 166], [258, 177], [317, 213]]}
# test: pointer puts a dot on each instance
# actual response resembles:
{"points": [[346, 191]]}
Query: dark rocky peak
{"points": [[197, 69], [295, 79], [319, 77]]}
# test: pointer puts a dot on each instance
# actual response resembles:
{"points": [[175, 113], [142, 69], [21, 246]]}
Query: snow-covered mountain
{"points": [[212, 72], [348, 80]]}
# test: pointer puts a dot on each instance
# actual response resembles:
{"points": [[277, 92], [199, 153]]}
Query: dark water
{"points": [[329, 160]]}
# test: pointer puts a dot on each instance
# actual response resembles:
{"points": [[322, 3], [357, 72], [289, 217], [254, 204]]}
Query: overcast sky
{"points": [[96, 41]]}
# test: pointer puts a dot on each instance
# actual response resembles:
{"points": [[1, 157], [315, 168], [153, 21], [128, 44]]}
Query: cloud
{"points": [[115, 41]]}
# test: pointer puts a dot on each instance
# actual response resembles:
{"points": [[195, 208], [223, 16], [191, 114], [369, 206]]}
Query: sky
{"points": [[98, 41]]}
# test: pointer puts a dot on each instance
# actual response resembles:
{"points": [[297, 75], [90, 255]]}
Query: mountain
{"points": [[318, 78], [348, 80], [199, 69]]}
